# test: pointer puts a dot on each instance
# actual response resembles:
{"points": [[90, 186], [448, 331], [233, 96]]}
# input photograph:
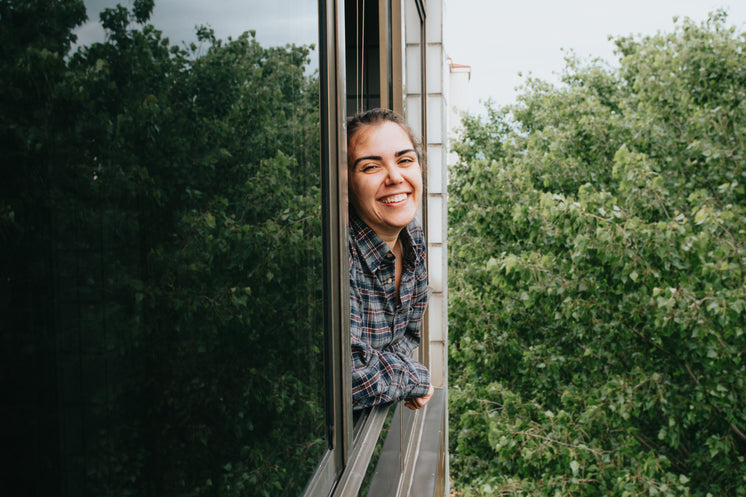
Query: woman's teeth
{"points": [[394, 198]]}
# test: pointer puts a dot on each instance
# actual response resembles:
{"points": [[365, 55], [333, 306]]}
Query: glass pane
{"points": [[362, 56], [160, 249]]}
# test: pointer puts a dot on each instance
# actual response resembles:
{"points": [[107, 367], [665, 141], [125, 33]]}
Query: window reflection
{"points": [[161, 254], [362, 55]]}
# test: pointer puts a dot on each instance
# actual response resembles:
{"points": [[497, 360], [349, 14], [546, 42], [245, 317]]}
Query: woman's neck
{"points": [[391, 240]]}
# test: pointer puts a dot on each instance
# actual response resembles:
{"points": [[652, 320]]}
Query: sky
{"points": [[501, 39]]}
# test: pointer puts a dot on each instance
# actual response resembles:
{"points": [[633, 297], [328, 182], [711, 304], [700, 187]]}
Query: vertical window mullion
{"points": [[334, 183]]}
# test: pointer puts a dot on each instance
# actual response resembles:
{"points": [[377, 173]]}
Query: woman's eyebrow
{"points": [[367, 157], [402, 152]]}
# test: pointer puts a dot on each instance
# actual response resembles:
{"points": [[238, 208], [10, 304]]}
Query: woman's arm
{"points": [[386, 375], [380, 377]]}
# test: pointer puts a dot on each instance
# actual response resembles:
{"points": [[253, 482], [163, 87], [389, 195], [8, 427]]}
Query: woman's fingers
{"points": [[419, 402]]}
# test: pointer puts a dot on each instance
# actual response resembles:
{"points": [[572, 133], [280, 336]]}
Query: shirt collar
{"points": [[372, 250]]}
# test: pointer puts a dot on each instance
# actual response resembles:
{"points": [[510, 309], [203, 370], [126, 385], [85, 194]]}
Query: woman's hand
{"points": [[415, 403]]}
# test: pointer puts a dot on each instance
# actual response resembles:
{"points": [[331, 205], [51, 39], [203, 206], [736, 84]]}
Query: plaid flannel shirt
{"points": [[384, 332]]}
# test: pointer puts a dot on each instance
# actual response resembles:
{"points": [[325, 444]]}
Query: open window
{"points": [[385, 43]]}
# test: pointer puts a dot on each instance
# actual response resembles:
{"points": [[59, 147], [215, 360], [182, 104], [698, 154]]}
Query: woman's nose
{"points": [[394, 176]]}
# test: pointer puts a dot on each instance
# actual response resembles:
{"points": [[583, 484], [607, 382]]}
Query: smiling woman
{"points": [[388, 274]]}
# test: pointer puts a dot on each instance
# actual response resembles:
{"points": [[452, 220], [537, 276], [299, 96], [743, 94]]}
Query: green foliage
{"points": [[161, 209], [597, 252]]}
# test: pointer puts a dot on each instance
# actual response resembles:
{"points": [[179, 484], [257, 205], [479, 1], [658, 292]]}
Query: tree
{"points": [[598, 293]]}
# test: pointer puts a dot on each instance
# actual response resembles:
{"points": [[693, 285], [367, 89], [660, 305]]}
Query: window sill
{"points": [[413, 459], [367, 430]]}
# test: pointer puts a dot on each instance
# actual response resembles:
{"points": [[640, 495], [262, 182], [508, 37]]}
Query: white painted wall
{"points": [[436, 85]]}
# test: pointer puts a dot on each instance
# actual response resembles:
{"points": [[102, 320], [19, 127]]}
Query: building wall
{"points": [[437, 196], [433, 92]]}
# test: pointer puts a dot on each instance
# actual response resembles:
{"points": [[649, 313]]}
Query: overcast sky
{"points": [[501, 38]]}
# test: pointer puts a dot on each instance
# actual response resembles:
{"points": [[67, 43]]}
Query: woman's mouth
{"points": [[392, 199]]}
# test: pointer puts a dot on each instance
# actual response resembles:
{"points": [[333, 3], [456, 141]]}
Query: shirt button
{"points": [[388, 281], [389, 255]]}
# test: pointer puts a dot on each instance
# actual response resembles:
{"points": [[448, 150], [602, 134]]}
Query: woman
{"points": [[388, 276]]}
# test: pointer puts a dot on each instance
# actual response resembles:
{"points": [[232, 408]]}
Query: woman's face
{"points": [[385, 178]]}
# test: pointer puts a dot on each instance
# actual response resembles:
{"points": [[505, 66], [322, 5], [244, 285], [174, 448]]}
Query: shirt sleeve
{"points": [[387, 375]]}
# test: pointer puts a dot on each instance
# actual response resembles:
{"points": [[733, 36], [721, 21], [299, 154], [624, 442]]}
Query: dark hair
{"points": [[377, 116]]}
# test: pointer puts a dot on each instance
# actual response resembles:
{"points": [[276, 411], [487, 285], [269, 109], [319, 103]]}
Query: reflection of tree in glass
{"points": [[181, 194]]}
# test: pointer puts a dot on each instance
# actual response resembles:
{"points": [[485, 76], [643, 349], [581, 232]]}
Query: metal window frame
{"points": [[412, 458], [337, 360]]}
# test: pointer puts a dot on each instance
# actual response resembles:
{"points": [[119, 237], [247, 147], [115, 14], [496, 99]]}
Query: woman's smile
{"points": [[394, 199], [385, 179]]}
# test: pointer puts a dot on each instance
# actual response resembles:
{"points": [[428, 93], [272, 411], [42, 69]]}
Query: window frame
{"points": [[353, 445], [337, 363]]}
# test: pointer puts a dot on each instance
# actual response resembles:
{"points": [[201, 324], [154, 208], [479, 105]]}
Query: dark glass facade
{"points": [[161, 307]]}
